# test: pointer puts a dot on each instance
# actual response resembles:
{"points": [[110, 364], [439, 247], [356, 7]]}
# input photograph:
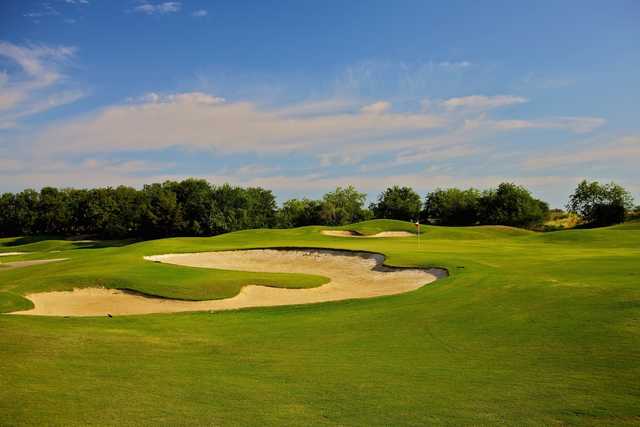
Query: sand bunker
{"points": [[347, 233], [352, 274], [22, 264]]}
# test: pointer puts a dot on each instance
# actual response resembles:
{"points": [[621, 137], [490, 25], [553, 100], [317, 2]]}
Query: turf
{"points": [[529, 329]]}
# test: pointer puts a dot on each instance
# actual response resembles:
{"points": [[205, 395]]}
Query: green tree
{"points": [[9, 225], [26, 211], [195, 198], [452, 206], [54, 213], [343, 206], [128, 213], [229, 211], [78, 207], [512, 205], [600, 204], [299, 213], [160, 212], [260, 207], [397, 203]]}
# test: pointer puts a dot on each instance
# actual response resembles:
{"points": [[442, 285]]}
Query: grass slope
{"points": [[530, 329]]}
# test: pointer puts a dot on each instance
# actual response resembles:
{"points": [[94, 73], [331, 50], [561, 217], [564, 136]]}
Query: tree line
{"points": [[194, 207]]}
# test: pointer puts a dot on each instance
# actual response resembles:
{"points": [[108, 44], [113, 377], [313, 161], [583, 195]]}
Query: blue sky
{"points": [[302, 96]]}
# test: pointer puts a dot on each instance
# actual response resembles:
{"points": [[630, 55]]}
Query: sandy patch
{"points": [[346, 233], [22, 264], [352, 275], [12, 253]]}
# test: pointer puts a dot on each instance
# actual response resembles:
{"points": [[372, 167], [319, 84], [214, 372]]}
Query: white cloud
{"points": [[10, 165], [38, 85], [201, 121], [482, 102], [45, 10], [183, 98], [572, 124], [376, 108], [200, 13], [4, 78], [319, 107], [336, 132], [122, 167], [93, 172], [342, 158], [158, 8], [625, 150], [403, 79], [458, 64]]}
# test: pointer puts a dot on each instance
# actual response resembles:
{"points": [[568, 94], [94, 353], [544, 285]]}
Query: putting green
{"points": [[528, 329]]}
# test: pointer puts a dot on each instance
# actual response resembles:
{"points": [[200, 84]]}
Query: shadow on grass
{"points": [[25, 240], [99, 244], [82, 242]]}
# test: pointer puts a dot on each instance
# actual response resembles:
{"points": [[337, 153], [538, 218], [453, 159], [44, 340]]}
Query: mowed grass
{"points": [[529, 329]]}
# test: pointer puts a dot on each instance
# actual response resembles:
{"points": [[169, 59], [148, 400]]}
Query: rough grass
{"points": [[529, 329], [562, 220]]}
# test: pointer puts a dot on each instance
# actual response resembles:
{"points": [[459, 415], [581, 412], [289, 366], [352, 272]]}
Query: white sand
{"points": [[21, 264], [12, 253], [352, 275], [346, 233]]}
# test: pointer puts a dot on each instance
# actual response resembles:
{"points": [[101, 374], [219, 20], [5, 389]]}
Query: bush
{"points": [[557, 219]]}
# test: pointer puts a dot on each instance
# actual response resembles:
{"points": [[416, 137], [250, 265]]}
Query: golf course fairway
{"points": [[527, 329]]}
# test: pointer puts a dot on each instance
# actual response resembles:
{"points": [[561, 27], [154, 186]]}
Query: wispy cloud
{"points": [[339, 141], [615, 153], [335, 133], [454, 64], [158, 8], [202, 121], [547, 82], [200, 13], [43, 10], [319, 107], [181, 98], [399, 78], [482, 102], [38, 85], [47, 9], [92, 172], [376, 108], [572, 124]]}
